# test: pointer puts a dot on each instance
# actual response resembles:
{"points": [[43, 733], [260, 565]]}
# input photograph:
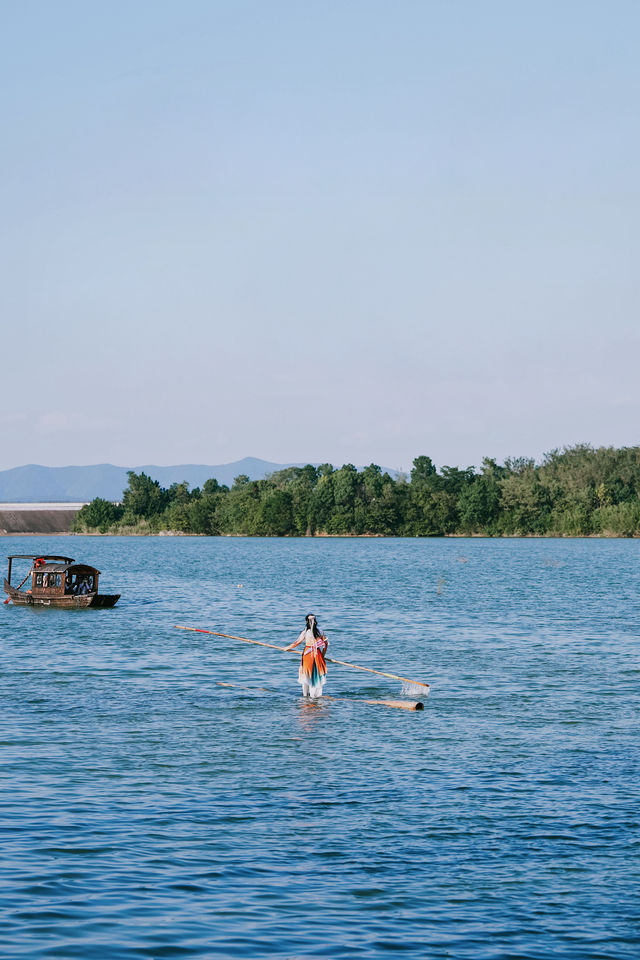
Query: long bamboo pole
{"points": [[342, 663], [392, 676]]}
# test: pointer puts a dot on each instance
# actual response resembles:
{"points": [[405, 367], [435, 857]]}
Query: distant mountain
{"points": [[36, 484]]}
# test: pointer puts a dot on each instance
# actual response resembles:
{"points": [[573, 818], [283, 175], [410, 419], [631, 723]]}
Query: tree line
{"points": [[576, 491]]}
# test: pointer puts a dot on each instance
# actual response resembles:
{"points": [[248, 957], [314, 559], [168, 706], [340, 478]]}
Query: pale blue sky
{"points": [[344, 231]]}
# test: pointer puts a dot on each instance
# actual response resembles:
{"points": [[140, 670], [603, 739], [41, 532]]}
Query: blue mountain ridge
{"points": [[34, 483]]}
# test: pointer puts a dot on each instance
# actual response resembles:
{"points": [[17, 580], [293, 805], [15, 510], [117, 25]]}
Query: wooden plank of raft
{"points": [[400, 704], [395, 704]]}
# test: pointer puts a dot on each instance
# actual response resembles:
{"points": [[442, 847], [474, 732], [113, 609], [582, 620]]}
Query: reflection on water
{"points": [[169, 793], [311, 713]]}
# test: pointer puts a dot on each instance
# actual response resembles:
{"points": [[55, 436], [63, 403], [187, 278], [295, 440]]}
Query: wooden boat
{"points": [[58, 582]]}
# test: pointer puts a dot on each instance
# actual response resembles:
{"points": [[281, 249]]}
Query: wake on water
{"points": [[414, 690]]}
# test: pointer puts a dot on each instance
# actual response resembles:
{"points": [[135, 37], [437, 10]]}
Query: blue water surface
{"points": [[149, 811]]}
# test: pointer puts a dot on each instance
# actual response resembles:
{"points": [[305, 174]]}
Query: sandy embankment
{"points": [[37, 518]]}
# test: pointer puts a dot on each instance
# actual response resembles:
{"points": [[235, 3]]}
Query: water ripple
{"points": [[148, 811]]}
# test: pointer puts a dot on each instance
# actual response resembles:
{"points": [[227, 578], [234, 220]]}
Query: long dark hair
{"points": [[312, 625]]}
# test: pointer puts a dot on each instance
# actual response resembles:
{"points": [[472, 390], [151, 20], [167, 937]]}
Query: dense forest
{"points": [[577, 491]]}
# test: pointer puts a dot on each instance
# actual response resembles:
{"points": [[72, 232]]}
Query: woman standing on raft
{"points": [[313, 669]]}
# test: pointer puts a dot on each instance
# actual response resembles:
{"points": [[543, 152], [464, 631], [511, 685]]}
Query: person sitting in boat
{"points": [[313, 669], [84, 586]]}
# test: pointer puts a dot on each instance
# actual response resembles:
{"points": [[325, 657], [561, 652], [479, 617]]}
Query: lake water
{"points": [[148, 811]]}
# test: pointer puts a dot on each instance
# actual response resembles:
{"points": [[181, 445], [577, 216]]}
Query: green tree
{"points": [[238, 511], [527, 504], [275, 515], [212, 486], [321, 502], [423, 470], [177, 517], [202, 514], [479, 500], [179, 493], [377, 512], [301, 489], [143, 497], [423, 516], [345, 488], [98, 515]]}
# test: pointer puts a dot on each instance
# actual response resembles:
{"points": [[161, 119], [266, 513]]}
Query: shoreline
{"points": [[326, 536], [49, 519]]}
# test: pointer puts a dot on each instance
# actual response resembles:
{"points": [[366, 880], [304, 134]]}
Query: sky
{"points": [[317, 230]]}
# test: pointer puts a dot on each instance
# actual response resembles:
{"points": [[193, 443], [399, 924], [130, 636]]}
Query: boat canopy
{"points": [[66, 568], [39, 556], [52, 563]]}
